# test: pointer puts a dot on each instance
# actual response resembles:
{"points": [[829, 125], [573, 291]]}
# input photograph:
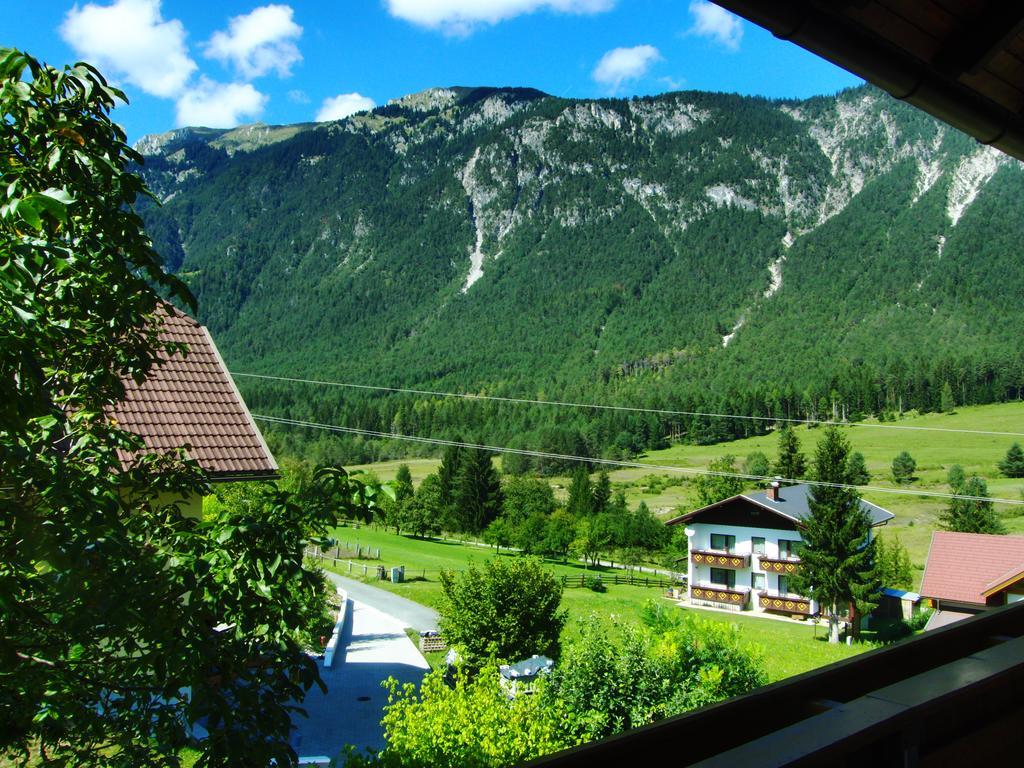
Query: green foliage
{"points": [[946, 402], [970, 515], [585, 304], [790, 463], [716, 487], [903, 468], [113, 601], [1012, 465], [478, 497], [602, 493], [472, 724], [403, 483], [893, 568], [655, 673], [758, 464], [837, 559], [857, 469], [581, 494], [420, 513], [505, 610]]}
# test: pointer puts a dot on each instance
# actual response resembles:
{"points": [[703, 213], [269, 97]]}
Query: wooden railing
{"points": [[719, 559], [784, 603], [716, 594], [782, 565], [630, 578]]}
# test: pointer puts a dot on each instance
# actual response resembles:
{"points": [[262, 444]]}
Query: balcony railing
{"points": [[719, 559], [782, 565], [784, 603], [718, 594]]}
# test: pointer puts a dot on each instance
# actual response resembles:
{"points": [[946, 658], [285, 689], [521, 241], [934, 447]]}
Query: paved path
{"points": [[373, 647], [414, 615]]}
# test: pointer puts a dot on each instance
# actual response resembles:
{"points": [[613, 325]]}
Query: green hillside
{"points": [[841, 255]]}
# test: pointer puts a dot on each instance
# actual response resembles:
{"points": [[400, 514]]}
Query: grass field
{"points": [[916, 517], [788, 647]]}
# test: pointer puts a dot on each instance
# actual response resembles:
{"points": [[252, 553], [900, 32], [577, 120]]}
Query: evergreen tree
{"points": [[581, 495], [956, 478], [946, 402], [903, 468], [758, 465], [714, 487], [478, 496], [892, 564], [602, 493], [403, 483], [971, 515], [1012, 464], [837, 560], [857, 469], [448, 472], [791, 463]]}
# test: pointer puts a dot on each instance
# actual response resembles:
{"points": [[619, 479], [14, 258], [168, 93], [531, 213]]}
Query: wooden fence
{"points": [[633, 579]]}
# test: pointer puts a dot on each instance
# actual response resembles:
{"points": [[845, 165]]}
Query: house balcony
{"points": [[784, 603], [785, 566], [719, 559], [715, 593]]}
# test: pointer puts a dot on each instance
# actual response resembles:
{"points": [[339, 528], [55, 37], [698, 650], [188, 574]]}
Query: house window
{"points": [[757, 544], [757, 582], [723, 577], [783, 585], [789, 549], [721, 542]]}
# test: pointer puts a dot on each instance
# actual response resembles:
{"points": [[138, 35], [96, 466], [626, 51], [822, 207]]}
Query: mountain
{"points": [[838, 255]]}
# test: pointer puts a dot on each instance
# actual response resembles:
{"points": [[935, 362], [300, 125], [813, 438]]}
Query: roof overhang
{"points": [[1004, 582], [963, 66], [691, 515]]}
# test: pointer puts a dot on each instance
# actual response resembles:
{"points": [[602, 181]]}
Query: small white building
{"points": [[745, 549]]}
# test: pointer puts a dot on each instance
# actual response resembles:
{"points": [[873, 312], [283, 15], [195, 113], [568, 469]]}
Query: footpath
{"points": [[373, 646]]}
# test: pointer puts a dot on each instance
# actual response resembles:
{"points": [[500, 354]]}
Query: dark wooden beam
{"points": [[969, 49]]}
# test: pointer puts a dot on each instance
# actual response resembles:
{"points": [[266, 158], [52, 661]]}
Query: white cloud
{"points": [[716, 23], [297, 96], [129, 40], [343, 105], [461, 17], [259, 42], [219, 105], [622, 64]]}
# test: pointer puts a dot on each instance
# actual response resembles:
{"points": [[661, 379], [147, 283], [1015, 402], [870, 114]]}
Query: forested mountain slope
{"points": [[691, 251]]}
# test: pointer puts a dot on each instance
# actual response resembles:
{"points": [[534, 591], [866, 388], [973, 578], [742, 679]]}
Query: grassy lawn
{"points": [[788, 647]]}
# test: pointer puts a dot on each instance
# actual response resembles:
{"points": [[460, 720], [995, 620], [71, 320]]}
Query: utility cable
{"points": [[619, 463], [627, 408]]}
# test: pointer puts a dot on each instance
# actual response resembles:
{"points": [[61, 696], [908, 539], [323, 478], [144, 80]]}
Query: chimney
{"points": [[773, 491]]}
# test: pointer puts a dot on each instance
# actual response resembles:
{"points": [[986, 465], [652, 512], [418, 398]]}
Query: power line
{"points": [[628, 408], [618, 463]]}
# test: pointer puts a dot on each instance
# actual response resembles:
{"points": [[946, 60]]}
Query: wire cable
{"points": [[619, 463], [627, 408]]}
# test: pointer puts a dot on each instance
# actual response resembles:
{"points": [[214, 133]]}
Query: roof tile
{"points": [[961, 566]]}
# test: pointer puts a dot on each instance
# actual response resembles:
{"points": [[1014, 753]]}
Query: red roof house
{"points": [[967, 573], [189, 401]]}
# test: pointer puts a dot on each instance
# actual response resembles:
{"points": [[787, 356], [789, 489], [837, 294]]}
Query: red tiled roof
{"points": [[189, 401], [963, 566]]}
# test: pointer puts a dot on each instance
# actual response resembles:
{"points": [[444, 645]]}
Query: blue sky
{"points": [[230, 62]]}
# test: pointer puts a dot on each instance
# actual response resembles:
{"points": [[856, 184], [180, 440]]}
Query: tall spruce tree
{"points": [[858, 469], [791, 463], [602, 493], [403, 483], [1012, 464], [448, 472], [837, 561], [581, 494], [970, 515], [478, 497]]}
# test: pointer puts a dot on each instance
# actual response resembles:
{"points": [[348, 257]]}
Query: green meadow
{"points": [[666, 491], [788, 648]]}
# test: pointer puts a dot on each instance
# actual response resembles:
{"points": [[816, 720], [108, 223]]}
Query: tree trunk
{"points": [[833, 626]]}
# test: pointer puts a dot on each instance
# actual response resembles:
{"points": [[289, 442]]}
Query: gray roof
{"points": [[793, 503], [527, 668]]}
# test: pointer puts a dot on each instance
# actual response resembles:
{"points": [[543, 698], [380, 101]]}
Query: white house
{"points": [[744, 549]]}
